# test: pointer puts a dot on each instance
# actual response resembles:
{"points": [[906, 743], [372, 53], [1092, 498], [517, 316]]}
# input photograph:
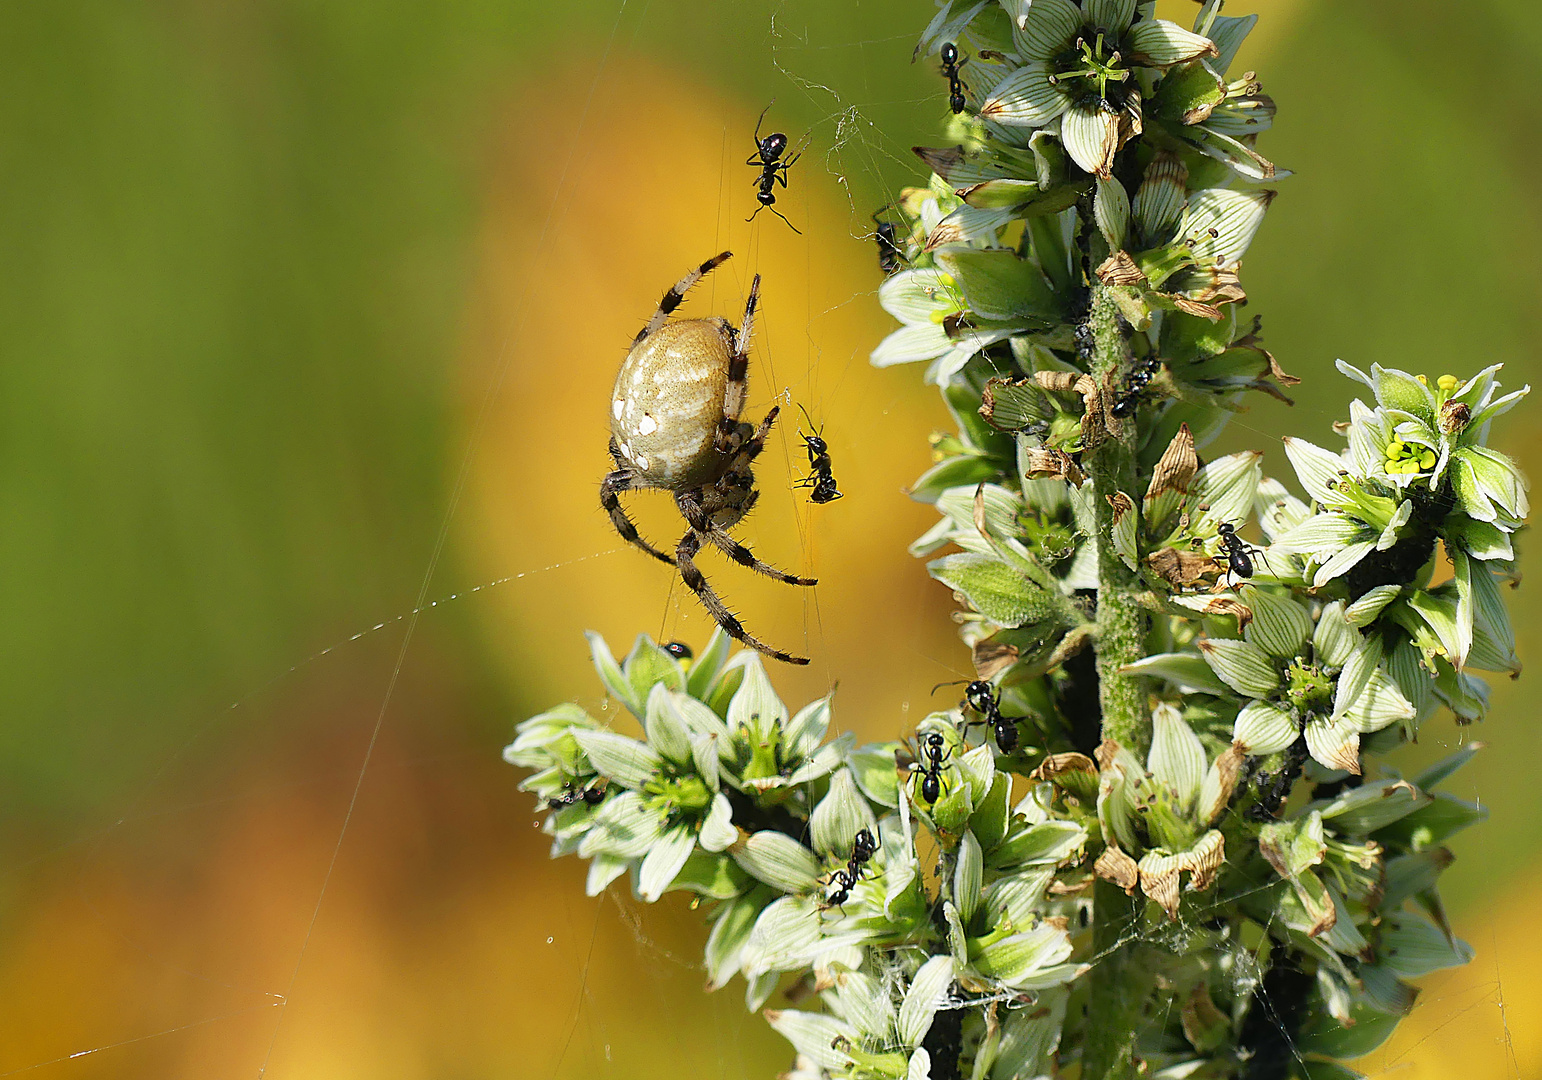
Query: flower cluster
{"points": [[731, 797], [1156, 829]]}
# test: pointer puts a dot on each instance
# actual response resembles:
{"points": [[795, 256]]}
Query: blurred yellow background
{"points": [[311, 309]]}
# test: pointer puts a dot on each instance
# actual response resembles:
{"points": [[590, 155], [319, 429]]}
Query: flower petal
{"points": [[663, 862], [1090, 136], [1262, 728], [911, 343], [1280, 626], [1025, 98], [1046, 28], [1335, 745], [1233, 217], [928, 990], [1111, 15], [1243, 666], [1159, 43], [1177, 757]]}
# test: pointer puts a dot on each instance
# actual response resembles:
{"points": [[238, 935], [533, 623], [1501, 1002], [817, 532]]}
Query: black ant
{"points": [[822, 479], [934, 751], [679, 650], [1134, 385], [845, 878], [1238, 558], [950, 65], [768, 158], [592, 795], [985, 699], [890, 260]]}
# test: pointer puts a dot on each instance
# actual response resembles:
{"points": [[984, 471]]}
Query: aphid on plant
{"points": [[675, 427], [950, 65], [1238, 556], [1134, 385], [679, 650], [768, 158], [1274, 790], [593, 795], [985, 699], [822, 476], [934, 751], [890, 258]]}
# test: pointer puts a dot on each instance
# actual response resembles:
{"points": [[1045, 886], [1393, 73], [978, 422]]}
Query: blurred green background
{"points": [[310, 308]]}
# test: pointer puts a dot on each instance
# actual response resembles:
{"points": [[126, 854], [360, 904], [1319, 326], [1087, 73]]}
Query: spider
{"points": [[675, 426]]}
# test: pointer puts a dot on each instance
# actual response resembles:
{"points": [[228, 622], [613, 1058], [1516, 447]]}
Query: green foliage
{"points": [[1217, 822]]}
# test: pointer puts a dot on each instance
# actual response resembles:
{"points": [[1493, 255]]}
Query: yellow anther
{"points": [[1448, 382], [1422, 379]]}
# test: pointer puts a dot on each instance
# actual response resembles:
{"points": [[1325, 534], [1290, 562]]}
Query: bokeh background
{"points": [[309, 309]]}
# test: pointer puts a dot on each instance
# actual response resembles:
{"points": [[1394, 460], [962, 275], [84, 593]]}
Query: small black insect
{"points": [[985, 699], [845, 878], [934, 751], [844, 883], [679, 650], [862, 848], [593, 795], [890, 259], [768, 159], [1238, 558], [950, 65], [1274, 790], [822, 476], [1134, 386]]}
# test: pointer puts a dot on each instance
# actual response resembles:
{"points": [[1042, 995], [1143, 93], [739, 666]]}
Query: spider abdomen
{"points": [[668, 403]]}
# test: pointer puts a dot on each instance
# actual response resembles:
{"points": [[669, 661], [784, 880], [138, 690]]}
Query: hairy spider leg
{"points": [[690, 546], [702, 524], [738, 385], [611, 487], [676, 294]]}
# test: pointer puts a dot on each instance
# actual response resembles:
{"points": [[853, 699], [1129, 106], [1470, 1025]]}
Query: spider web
{"points": [[613, 955]]}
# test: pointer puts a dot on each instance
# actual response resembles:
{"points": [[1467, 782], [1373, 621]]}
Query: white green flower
{"points": [[1082, 73]]}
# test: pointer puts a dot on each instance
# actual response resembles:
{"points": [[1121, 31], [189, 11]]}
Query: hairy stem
{"points": [[1121, 630], [1118, 986]]}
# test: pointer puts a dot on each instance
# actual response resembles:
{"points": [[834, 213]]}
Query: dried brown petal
{"points": [[1116, 866], [1177, 465], [1182, 568], [1120, 269], [1071, 772], [1046, 462]]}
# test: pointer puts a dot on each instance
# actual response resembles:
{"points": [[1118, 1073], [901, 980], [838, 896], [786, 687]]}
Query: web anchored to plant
{"points": [[1153, 838]]}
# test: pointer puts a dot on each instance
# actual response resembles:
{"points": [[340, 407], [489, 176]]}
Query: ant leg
{"points": [[783, 216]]}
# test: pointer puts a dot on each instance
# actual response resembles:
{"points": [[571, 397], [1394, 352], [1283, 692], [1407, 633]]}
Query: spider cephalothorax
{"points": [[674, 423]]}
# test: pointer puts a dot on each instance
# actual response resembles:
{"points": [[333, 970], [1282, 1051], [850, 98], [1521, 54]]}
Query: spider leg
{"points": [[677, 293], [702, 525], [610, 490], [690, 545], [737, 388], [757, 442]]}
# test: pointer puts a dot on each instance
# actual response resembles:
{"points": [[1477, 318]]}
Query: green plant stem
{"points": [[1121, 629], [1118, 983]]}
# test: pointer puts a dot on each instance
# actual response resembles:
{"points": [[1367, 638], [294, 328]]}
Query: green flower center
{"points": [[679, 794], [1307, 686], [1096, 61], [1409, 458]]}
